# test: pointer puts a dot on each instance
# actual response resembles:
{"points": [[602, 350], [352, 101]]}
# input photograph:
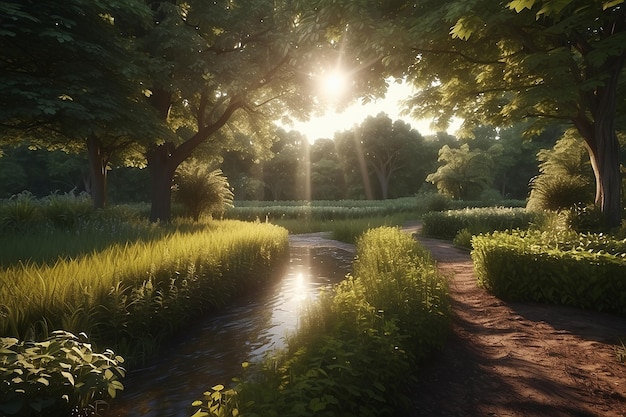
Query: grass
{"points": [[139, 291], [346, 230]]}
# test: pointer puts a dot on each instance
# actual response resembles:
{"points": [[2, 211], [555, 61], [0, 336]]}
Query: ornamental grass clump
{"points": [[358, 348]]}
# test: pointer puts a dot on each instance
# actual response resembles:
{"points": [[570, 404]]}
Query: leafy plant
{"points": [[19, 213], [57, 376], [202, 190], [581, 270], [463, 239], [477, 220]]}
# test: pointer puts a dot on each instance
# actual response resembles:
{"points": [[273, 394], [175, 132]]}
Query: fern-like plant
{"points": [[565, 179], [202, 190]]}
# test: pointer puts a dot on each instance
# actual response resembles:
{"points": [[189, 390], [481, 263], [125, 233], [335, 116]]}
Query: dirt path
{"points": [[519, 359]]}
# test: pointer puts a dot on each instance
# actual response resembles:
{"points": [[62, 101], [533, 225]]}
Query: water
{"points": [[212, 351]]}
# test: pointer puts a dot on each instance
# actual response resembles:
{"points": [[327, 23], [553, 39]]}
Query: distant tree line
{"points": [[377, 159]]}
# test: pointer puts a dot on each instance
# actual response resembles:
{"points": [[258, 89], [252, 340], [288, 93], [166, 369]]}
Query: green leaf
{"points": [[612, 3], [519, 5], [68, 376]]}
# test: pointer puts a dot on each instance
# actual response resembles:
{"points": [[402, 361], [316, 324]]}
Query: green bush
{"points": [[20, 213], [581, 270], [358, 347], [447, 224], [56, 377], [201, 190]]}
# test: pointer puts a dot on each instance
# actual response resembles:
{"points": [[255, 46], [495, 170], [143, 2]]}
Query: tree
{"points": [[285, 174], [498, 63], [327, 179], [465, 173], [382, 149], [229, 66], [70, 80], [542, 61]]}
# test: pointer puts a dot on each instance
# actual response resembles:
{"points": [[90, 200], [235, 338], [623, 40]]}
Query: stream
{"points": [[213, 350]]}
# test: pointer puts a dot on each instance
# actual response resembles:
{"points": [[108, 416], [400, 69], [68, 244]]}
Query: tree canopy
{"points": [[498, 63]]}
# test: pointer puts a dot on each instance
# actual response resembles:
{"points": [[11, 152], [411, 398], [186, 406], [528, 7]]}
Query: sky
{"points": [[331, 122]]}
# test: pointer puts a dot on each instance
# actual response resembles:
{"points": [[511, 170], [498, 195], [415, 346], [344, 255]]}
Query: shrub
{"points": [[201, 190], [433, 202], [559, 192], [447, 224], [581, 270], [56, 377], [463, 239], [20, 213]]}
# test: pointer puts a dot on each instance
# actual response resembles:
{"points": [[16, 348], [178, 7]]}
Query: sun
{"points": [[334, 84]]}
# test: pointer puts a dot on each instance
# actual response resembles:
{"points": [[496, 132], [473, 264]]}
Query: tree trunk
{"points": [[97, 172], [603, 147], [162, 171], [605, 163]]}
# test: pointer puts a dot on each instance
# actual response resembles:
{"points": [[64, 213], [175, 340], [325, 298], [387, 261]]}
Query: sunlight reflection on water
{"points": [[215, 348]]}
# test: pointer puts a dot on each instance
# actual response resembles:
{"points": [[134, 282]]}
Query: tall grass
{"points": [[139, 291], [319, 210]]}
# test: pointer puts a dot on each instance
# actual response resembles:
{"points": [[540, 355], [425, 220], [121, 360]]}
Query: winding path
{"points": [[519, 359]]}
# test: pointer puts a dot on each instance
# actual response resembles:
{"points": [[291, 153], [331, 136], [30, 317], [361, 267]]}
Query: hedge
{"points": [[580, 270]]}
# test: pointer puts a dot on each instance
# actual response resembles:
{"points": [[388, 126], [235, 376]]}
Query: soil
{"points": [[519, 359]]}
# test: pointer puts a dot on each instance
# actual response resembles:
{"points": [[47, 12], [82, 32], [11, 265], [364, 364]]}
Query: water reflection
{"points": [[214, 349]]}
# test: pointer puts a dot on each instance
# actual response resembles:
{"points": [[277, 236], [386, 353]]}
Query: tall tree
{"points": [[69, 79], [535, 60], [382, 149], [496, 63]]}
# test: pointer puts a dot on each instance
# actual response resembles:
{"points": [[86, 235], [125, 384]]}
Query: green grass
{"points": [[346, 230], [319, 210], [138, 292]]}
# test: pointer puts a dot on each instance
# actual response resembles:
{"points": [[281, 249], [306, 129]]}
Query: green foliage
{"points": [[133, 294], [358, 347], [559, 193], [463, 173], [447, 224], [463, 239], [60, 375], [433, 202], [19, 213], [565, 179], [582, 270], [319, 210], [202, 190]]}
